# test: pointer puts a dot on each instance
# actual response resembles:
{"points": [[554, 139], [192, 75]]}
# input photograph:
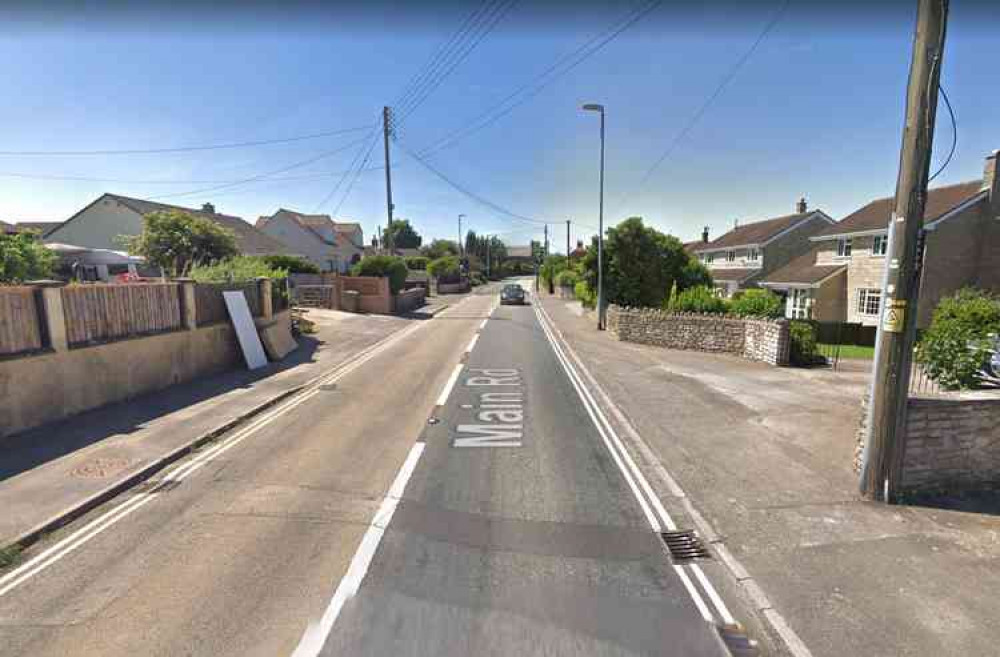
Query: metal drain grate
{"points": [[684, 546]]}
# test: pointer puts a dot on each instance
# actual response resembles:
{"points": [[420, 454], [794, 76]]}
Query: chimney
{"points": [[579, 244], [736, 223], [991, 183], [704, 235], [801, 206], [208, 207]]}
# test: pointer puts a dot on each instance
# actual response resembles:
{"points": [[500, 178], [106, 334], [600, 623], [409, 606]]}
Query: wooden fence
{"points": [[20, 330], [211, 307], [104, 312]]}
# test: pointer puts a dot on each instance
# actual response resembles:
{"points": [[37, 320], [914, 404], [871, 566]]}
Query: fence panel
{"points": [[20, 330], [106, 312], [211, 307]]}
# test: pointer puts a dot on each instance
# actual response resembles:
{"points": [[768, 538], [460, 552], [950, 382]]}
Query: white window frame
{"points": [[731, 255], [709, 258], [844, 247], [866, 298], [754, 255], [880, 244], [799, 306]]}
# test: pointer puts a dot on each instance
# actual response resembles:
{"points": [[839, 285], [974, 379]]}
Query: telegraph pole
{"points": [[883, 455], [567, 242], [461, 248], [489, 239], [386, 131]]}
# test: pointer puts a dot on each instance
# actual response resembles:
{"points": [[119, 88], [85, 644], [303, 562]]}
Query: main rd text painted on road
{"points": [[499, 414]]}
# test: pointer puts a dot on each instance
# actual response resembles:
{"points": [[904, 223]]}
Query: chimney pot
{"points": [[801, 206], [704, 235]]}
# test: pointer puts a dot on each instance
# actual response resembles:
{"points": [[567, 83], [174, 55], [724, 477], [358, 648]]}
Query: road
{"points": [[453, 494]]}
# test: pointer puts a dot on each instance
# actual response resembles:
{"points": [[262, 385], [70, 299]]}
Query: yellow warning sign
{"points": [[895, 311]]}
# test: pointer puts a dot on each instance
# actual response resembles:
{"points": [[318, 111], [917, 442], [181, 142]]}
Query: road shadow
{"points": [[29, 449], [985, 502]]}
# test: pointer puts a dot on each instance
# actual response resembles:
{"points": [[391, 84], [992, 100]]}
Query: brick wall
{"points": [[409, 300], [755, 339]]}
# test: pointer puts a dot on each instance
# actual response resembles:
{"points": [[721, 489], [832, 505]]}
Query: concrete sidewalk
{"points": [[764, 454], [50, 470]]}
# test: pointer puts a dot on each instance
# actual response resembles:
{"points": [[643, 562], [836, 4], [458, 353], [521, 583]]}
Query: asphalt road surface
{"points": [[453, 493]]}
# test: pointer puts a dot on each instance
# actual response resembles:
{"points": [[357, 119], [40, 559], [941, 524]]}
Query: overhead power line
{"points": [[184, 149], [562, 66], [357, 174], [730, 75], [355, 167], [954, 135]]}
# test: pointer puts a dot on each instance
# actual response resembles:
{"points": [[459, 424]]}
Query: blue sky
{"points": [[816, 112]]}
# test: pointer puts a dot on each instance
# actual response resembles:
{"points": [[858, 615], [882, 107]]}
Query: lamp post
{"points": [[594, 107]]}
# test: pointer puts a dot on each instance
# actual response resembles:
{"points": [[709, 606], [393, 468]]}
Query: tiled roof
{"points": [[691, 246], [42, 227], [732, 274], [312, 223], [876, 215], [757, 232], [249, 240], [803, 270], [346, 226]]}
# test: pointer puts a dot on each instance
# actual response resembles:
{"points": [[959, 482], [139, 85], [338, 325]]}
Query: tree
{"points": [[177, 241], [551, 266], [445, 269], [440, 248], [402, 234], [24, 258], [641, 265]]}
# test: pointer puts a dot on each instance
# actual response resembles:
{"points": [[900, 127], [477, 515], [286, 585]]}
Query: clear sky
{"points": [[817, 110]]}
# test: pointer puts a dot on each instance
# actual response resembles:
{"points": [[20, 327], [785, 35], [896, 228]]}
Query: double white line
{"points": [[650, 503], [48, 557]]}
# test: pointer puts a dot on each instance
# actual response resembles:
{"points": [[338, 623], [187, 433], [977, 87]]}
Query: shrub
{"points": [[291, 264], [803, 349], [23, 258], [586, 296], [757, 303], [177, 241], [417, 263], [477, 278], [445, 269], [567, 278], [955, 345], [240, 269], [700, 299], [383, 266]]}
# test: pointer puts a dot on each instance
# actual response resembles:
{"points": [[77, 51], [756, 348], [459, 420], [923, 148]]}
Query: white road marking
{"points": [[472, 343], [57, 551], [446, 392], [482, 325], [720, 606], [693, 592], [316, 634]]}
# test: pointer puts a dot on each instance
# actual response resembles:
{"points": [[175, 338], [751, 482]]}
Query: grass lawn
{"points": [[849, 351]]}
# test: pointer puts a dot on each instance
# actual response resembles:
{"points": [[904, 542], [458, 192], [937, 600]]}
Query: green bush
{"points": [[417, 263], [803, 350], [23, 257], [291, 264], [239, 269], [477, 278], [383, 266], [957, 342], [586, 296], [446, 269], [700, 299], [567, 278], [757, 303]]}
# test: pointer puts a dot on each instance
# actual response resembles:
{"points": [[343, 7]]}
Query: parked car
{"points": [[512, 294]]}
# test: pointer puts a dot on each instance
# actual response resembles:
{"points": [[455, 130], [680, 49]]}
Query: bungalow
{"points": [[841, 278], [328, 245], [98, 225], [749, 252]]}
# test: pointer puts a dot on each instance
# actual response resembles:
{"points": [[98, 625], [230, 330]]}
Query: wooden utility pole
{"points": [[567, 242], [386, 131], [884, 446]]}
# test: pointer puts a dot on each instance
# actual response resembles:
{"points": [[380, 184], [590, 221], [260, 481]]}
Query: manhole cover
{"points": [[102, 467], [684, 546]]}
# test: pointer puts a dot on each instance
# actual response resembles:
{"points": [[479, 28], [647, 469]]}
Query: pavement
{"points": [[455, 491], [762, 457]]}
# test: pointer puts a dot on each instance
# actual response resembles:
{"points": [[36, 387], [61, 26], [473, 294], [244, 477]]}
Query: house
{"points": [[842, 278], [740, 258], [39, 227], [98, 225], [7, 229], [579, 252], [523, 254], [317, 237], [690, 247]]}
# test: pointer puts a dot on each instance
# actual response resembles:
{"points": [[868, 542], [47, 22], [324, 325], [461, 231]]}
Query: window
{"points": [[879, 245], [869, 302], [844, 247], [754, 255], [798, 303], [730, 256], [710, 258]]}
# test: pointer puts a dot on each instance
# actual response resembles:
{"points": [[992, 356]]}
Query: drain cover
{"points": [[684, 546]]}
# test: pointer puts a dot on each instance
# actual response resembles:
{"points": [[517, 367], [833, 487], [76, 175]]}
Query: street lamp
{"points": [[594, 107]]}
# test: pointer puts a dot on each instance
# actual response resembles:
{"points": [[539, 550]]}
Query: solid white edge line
{"points": [[316, 634], [482, 324], [713, 595], [446, 391], [472, 343], [54, 553], [693, 592]]}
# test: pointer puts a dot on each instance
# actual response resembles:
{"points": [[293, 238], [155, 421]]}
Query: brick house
{"points": [[329, 245], [841, 278], [740, 258]]}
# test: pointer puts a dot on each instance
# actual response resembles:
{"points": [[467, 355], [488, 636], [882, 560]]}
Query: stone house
{"points": [[327, 244], [99, 224], [740, 258], [841, 278]]}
